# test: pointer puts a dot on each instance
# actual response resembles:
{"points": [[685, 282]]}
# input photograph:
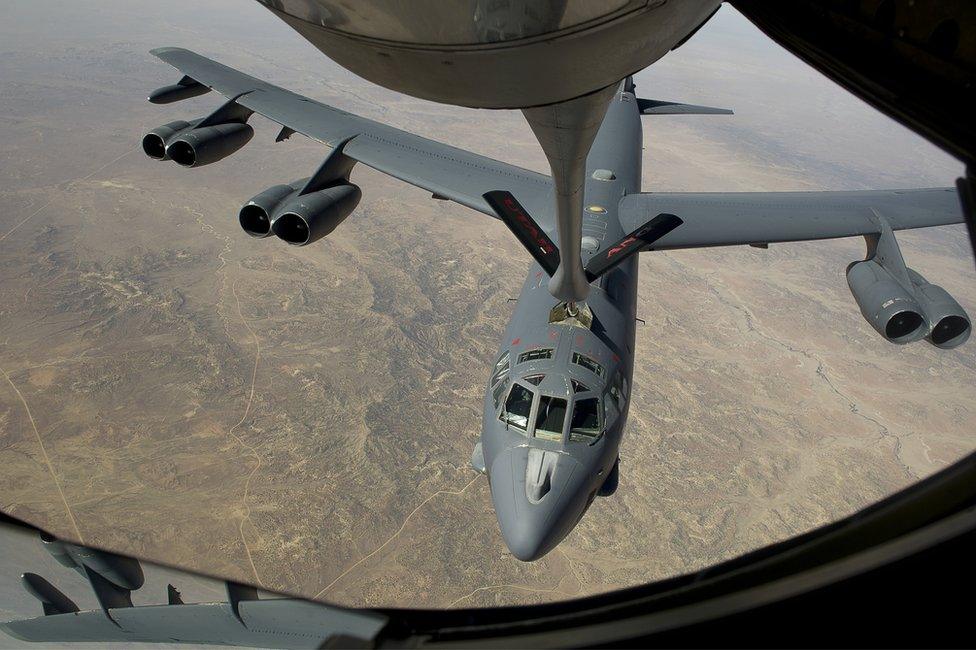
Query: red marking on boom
{"points": [[539, 238], [621, 247]]}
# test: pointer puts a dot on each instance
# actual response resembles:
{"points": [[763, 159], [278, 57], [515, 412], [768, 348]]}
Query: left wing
{"points": [[445, 171], [730, 218], [659, 107], [266, 623]]}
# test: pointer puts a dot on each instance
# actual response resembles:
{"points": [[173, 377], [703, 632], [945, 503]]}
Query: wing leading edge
{"points": [[445, 171], [728, 219]]}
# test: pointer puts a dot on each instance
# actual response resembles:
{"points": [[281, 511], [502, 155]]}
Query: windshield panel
{"points": [[518, 406], [550, 418], [585, 425]]}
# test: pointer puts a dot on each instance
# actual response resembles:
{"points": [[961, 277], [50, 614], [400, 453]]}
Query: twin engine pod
{"points": [[123, 572], [188, 145], [297, 218], [905, 314]]}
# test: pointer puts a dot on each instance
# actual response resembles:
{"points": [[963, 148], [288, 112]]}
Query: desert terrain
{"points": [[302, 419]]}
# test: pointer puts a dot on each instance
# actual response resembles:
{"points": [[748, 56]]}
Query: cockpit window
{"points": [[615, 397], [550, 418], [499, 377], [588, 363], [535, 380], [498, 390], [585, 426], [533, 355], [501, 368], [517, 407], [580, 387], [615, 390]]}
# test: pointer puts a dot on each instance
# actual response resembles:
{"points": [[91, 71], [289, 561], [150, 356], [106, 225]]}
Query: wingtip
{"points": [[159, 52]]}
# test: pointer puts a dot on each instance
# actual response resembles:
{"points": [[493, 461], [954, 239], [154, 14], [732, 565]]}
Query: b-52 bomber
{"points": [[559, 390]]}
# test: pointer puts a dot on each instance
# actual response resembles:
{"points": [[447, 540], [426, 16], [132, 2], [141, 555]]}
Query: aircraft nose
{"points": [[527, 543], [536, 498]]}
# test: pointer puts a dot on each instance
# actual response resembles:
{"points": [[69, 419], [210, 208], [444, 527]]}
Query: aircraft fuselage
{"points": [[557, 400]]}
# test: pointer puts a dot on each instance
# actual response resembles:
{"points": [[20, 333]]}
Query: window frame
{"points": [[500, 391], [532, 408], [601, 420], [547, 354], [535, 419], [501, 369], [579, 356]]}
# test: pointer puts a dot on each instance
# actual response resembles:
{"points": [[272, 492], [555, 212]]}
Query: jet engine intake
{"points": [[255, 216], [949, 321], [202, 146], [154, 142], [310, 217], [886, 305]]}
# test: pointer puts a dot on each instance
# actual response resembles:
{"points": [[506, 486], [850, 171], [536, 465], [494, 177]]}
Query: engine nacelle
{"points": [[186, 89], [58, 550], [122, 571], [949, 321], [52, 599], [154, 142], [201, 146], [885, 304], [255, 216], [310, 217]]}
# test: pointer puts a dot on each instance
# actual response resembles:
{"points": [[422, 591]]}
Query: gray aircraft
{"points": [[558, 394]]}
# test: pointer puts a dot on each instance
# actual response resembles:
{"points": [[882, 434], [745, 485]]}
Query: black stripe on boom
{"points": [[633, 243], [528, 232]]}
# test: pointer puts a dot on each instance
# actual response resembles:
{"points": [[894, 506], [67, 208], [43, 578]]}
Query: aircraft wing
{"points": [[730, 218], [271, 623], [445, 171]]}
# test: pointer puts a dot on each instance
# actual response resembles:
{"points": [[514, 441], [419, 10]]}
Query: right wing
{"points": [[445, 171], [731, 218]]}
